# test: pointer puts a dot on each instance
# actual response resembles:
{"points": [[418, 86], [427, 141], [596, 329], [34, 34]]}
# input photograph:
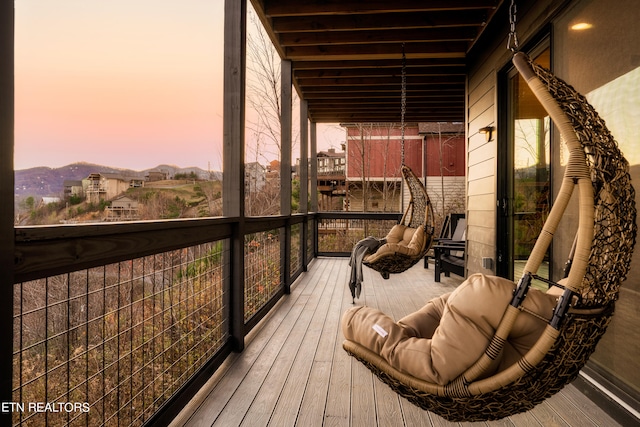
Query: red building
{"points": [[374, 153]]}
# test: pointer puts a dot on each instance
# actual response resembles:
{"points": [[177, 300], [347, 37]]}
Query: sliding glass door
{"points": [[524, 181]]}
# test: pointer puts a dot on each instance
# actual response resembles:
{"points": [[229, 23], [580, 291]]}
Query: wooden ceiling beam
{"points": [[378, 51], [329, 103], [347, 55], [379, 72], [370, 118], [375, 81], [412, 62], [447, 34], [355, 97], [338, 7], [414, 90], [377, 22], [389, 111]]}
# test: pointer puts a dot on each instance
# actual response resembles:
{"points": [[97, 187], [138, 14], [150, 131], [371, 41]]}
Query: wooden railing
{"points": [[122, 323]]}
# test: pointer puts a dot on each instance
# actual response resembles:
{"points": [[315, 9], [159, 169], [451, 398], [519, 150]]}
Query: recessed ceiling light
{"points": [[581, 26]]}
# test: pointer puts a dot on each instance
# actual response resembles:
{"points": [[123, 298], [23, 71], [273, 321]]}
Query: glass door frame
{"points": [[505, 185]]}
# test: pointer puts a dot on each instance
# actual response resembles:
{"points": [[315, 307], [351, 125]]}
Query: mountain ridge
{"points": [[43, 181]]}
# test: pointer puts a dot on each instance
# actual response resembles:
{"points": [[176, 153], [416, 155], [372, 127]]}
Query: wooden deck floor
{"points": [[294, 372]]}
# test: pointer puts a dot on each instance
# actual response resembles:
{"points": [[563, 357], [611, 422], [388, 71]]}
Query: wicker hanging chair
{"points": [[415, 241], [396, 258], [603, 247]]}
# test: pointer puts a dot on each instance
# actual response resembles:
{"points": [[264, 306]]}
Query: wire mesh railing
{"points": [[295, 252], [109, 345], [262, 271], [337, 234], [120, 336]]}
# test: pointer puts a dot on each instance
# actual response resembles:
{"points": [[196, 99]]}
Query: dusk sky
{"points": [[124, 83]]}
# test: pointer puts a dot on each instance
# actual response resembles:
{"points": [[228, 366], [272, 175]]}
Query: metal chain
{"points": [[512, 41], [403, 99]]}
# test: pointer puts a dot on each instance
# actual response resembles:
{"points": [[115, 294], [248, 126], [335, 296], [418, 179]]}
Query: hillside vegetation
{"points": [[157, 200]]}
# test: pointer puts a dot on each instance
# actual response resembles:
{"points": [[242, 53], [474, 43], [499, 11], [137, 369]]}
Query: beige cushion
{"points": [[396, 234], [401, 239], [467, 318]]}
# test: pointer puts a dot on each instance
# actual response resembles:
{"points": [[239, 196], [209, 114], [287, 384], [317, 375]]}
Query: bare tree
{"points": [[364, 150], [264, 118], [263, 92]]}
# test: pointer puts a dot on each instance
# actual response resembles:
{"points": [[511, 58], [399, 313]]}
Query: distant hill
{"points": [[44, 181]]}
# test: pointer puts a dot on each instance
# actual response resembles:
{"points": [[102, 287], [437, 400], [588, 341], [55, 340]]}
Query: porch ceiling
{"points": [[347, 54]]}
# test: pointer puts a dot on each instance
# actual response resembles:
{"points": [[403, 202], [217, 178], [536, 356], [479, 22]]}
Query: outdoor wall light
{"points": [[488, 132]]}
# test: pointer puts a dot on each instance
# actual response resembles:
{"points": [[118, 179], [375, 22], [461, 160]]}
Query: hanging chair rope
{"points": [[512, 40], [403, 99]]}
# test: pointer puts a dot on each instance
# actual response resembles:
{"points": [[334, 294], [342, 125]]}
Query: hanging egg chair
{"points": [[599, 263]]}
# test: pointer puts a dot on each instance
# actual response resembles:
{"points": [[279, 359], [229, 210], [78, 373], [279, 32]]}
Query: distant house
{"points": [[106, 186], [73, 188], [273, 170], [255, 177], [122, 209], [157, 175], [331, 179]]}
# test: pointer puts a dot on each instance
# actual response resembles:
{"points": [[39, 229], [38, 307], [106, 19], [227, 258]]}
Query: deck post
{"points": [[304, 178], [313, 178], [285, 170], [313, 187], [235, 14], [7, 234]]}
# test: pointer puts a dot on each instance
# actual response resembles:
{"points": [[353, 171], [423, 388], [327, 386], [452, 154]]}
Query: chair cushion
{"points": [[468, 318], [411, 242], [396, 234]]}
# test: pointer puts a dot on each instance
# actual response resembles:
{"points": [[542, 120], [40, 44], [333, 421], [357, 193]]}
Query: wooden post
{"points": [[285, 170], [235, 14], [313, 178], [285, 138], [304, 157], [7, 234], [304, 178]]}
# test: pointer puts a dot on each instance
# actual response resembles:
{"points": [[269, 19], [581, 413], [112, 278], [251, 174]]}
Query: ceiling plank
{"points": [[274, 8], [448, 34], [386, 63], [379, 72], [377, 51], [347, 55], [376, 22]]}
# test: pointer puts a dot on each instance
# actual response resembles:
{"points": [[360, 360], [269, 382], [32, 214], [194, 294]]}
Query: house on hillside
{"points": [[273, 171], [72, 188], [122, 209], [156, 175], [106, 186], [331, 180], [255, 177]]}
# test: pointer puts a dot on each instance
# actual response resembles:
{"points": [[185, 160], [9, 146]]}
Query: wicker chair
{"points": [[603, 247], [419, 213]]}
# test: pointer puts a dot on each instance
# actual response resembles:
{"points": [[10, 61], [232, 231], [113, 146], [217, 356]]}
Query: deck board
{"points": [[294, 372]]}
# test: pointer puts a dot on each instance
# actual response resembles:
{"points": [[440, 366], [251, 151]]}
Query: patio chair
{"points": [[605, 237], [448, 254], [446, 233], [408, 241]]}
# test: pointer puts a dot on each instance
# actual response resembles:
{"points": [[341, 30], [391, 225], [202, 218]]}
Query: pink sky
{"points": [[123, 83]]}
